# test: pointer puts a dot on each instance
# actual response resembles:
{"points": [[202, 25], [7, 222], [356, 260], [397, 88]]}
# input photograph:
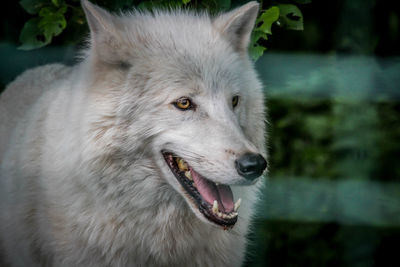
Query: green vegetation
{"points": [[55, 17]]}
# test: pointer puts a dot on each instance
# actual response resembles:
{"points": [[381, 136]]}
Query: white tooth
{"points": [[219, 214], [188, 175], [237, 204], [215, 207], [235, 214]]}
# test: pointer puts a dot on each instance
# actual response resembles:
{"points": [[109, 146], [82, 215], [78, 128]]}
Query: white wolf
{"points": [[137, 155]]}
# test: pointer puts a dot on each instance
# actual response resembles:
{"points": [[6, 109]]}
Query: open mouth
{"points": [[214, 201]]}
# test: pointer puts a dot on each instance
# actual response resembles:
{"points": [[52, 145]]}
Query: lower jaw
{"points": [[223, 219], [226, 224], [206, 209]]}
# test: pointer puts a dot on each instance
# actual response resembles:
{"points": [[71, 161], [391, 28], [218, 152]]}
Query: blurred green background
{"points": [[333, 95]]}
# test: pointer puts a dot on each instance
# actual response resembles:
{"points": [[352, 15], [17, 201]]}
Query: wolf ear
{"points": [[104, 33], [237, 25], [98, 19]]}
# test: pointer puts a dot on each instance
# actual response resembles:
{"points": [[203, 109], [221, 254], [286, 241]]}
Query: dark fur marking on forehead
{"points": [[124, 65]]}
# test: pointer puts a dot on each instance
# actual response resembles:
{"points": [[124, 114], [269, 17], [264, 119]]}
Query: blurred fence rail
{"points": [[350, 202]]}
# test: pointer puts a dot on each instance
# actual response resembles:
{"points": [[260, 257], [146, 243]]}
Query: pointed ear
{"points": [[237, 25], [106, 41], [98, 19]]}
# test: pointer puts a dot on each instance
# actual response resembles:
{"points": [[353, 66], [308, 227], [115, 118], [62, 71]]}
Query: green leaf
{"points": [[265, 21], [257, 35], [32, 36], [56, 2], [185, 2], [291, 17], [256, 51], [268, 17], [51, 23], [49, 11], [32, 6]]}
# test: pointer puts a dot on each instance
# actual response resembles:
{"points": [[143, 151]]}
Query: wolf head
{"points": [[178, 88]]}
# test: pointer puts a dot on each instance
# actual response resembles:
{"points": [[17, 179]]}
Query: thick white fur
{"points": [[83, 182]]}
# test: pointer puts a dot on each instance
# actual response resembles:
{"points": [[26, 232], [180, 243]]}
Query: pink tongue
{"points": [[210, 192]]}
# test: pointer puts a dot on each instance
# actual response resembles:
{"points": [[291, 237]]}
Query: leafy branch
{"points": [[53, 17]]}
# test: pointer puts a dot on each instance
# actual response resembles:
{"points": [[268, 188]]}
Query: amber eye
{"points": [[235, 101], [183, 103]]}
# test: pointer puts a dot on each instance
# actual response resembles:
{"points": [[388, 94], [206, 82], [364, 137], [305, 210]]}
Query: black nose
{"points": [[250, 165]]}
